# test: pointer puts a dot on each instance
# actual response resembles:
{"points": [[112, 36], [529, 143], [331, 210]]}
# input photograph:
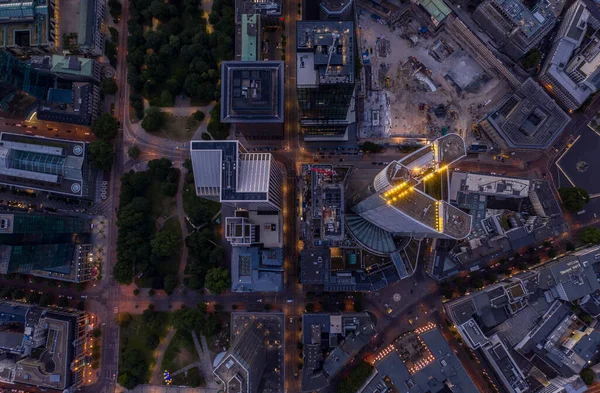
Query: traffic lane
{"points": [[50, 130]]}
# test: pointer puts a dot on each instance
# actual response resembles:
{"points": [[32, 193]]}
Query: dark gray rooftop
{"points": [[252, 92], [315, 265]]}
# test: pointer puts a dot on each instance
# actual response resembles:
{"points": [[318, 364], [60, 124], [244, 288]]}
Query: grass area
{"points": [[172, 264], [180, 352], [191, 378], [162, 205], [180, 128], [135, 337]]}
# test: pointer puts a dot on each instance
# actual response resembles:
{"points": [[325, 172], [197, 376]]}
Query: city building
{"points": [[90, 36], [226, 172], [525, 119], [78, 105], [252, 93], [397, 201], [55, 166], [255, 354], [515, 25], [269, 11], [20, 85], [42, 347], [29, 27], [419, 361], [336, 10], [49, 246], [438, 10], [508, 215], [329, 342], [72, 68], [571, 72], [248, 228], [256, 269], [325, 79], [525, 327], [251, 38]]}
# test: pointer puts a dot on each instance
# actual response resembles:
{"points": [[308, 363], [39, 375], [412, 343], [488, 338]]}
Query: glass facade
{"points": [[326, 102], [22, 76], [36, 162]]}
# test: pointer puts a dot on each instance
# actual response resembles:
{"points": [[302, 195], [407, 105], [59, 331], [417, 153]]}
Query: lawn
{"points": [[180, 128], [192, 201], [191, 378], [180, 352], [162, 205], [135, 336]]}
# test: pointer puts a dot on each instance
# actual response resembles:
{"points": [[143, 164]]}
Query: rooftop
{"points": [[422, 361], [252, 91], [256, 269], [265, 8], [528, 118], [53, 165], [75, 106], [530, 20], [325, 52], [488, 185], [64, 64]]}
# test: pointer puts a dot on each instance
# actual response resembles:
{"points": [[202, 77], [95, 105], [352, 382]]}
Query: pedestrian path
{"points": [[205, 361], [186, 368], [161, 349]]}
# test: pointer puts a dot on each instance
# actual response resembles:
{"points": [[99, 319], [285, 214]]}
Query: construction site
{"points": [[419, 83]]}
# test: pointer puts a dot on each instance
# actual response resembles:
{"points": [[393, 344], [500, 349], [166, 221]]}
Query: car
{"points": [[341, 159], [69, 131], [259, 301], [29, 132], [291, 319], [374, 163]]}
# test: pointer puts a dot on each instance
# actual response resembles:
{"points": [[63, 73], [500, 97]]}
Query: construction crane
{"points": [[332, 48]]}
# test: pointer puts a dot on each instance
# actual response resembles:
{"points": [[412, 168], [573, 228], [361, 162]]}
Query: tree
{"points": [[133, 152], [105, 126], [62, 301], [217, 280], [199, 115], [310, 307], [570, 246], [573, 198], [46, 299], [152, 341], [587, 375], [124, 319], [154, 119], [188, 319], [356, 378], [151, 293], [160, 168], [590, 235], [96, 333], [370, 147], [170, 283], [109, 86], [169, 189], [164, 243], [102, 154], [532, 59]]}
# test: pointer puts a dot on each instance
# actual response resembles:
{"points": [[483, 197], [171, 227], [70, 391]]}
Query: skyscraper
{"points": [[400, 201], [325, 78], [226, 172], [241, 368]]}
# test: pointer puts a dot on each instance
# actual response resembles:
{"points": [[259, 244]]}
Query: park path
{"points": [[186, 368], [206, 366], [162, 347], [182, 224]]}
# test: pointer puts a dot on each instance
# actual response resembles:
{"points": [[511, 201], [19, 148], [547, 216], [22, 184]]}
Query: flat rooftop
{"points": [[530, 20], [325, 52], [75, 106], [528, 118], [489, 184], [265, 8], [252, 92], [53, 165]]}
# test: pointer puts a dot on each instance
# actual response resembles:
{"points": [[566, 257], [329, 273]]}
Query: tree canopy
{"points": [[164, 243], [154, 119], [102, 154], [109, 86], [590, 235], [105, 126], [217, 280], [532, 58], [574, 198], [587, 375]]}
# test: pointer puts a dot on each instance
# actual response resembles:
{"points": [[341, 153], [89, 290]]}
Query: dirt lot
{"points": [[422, 83]]}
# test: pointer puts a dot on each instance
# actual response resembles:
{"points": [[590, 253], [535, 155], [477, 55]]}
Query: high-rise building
{"points": [[336, 9], [571, 72], [252, 93], [90, 36], [78, 105], [49, 246], [514, 25], [325, 81], [399, 201], [241, 368], [525, 119], [226, 172]]}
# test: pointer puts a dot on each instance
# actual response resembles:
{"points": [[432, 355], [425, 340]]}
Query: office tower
{"points": [[571, 72], [515, 27], [325, 78], [226, 172], [241, 369], [398, 202], [336, 10], [525, 119], [252, 93]]}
